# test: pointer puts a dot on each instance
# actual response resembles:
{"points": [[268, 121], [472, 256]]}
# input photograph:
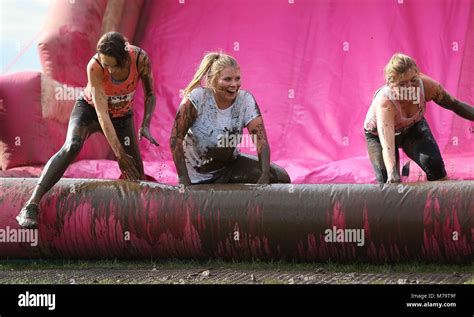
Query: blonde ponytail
{"points": [[211, 66]]}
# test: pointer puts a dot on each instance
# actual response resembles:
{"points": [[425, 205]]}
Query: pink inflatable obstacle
{"points": [[88, 219], [313, 67], [307, 63]]}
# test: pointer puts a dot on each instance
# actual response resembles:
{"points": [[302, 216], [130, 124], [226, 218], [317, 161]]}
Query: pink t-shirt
{"points": [[402, 123]]}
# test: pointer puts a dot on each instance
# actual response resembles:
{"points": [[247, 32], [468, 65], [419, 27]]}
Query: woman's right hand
{"points": [[128, 167], [393, 180]]}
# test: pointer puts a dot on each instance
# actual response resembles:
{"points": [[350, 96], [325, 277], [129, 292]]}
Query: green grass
{"points": [[6, 265], [470, 281]]}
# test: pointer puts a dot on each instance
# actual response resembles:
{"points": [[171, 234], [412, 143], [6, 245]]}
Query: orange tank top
{"points": [[119, 94]]}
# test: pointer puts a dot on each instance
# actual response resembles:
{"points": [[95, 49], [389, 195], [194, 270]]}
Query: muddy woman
{"points": [[210, 114], [106, 106]]}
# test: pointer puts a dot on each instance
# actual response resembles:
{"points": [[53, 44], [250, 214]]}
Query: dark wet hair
{"points": [[114, 44]]}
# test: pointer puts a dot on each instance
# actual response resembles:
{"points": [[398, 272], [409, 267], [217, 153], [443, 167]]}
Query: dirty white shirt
{"points": [[206, 144]]}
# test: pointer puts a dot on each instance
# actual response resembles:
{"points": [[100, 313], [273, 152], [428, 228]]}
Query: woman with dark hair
{"points": [[106, 106], [210, 116]]}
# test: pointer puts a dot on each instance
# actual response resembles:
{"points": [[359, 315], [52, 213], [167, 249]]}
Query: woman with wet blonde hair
{"points": [[211, 115], [396, 120]]}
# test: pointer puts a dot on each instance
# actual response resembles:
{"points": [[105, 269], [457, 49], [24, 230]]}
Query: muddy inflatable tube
{"points": [[105, 219]]}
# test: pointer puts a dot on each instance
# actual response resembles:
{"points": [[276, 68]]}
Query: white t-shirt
{"points": [[209, 144]]}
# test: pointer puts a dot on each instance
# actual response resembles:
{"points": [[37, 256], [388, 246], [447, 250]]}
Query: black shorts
{"points": [[245, 169], [87, 115]]}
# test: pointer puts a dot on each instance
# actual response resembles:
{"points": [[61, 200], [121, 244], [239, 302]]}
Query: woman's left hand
{"points": [[145, 132]]}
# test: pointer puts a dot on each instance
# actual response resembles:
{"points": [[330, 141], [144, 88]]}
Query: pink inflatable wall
{"points": [[313, 67]]}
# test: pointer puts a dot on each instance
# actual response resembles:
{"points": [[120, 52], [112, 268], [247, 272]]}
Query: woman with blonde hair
{"points": [[395, 120], [211, 116]]}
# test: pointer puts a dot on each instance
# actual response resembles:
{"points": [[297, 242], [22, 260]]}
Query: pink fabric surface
{"points": [[313, 67], [16, 147], [130, 18], [29, 133], [69, 38], [313, 93]]}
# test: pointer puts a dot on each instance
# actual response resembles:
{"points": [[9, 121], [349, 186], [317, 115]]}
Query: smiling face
{"points": [[227, 85]]}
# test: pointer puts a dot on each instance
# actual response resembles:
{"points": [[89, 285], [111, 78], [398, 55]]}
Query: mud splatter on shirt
{"points": [[206, 153]]}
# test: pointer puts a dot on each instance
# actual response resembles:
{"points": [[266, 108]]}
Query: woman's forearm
{"points": [[386, 133], [183, 121], [445, 100], [257, 130], [390, 162], [148, 88], [150, 102], [463, 109], [107, 126], [111, 135], [264, 158], [177, 150]]}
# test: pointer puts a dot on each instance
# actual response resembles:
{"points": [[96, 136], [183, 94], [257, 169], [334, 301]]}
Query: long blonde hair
{"points": [[211, 66], [397, 66]]}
